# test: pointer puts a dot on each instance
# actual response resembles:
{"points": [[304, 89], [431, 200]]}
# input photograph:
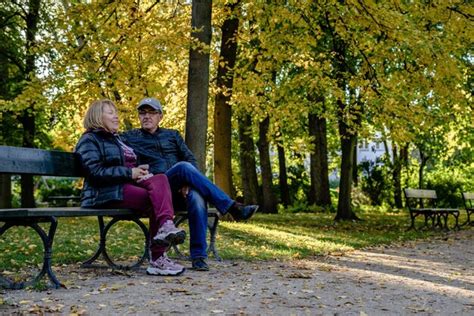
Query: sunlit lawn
{"points": [[282, 237]]}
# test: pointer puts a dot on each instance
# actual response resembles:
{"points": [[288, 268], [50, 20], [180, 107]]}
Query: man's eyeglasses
{"points": [[143, 112]]}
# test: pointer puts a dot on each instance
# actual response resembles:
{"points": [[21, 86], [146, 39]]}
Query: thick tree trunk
{"points": [[198, 81], [269, 200], [348, 142], [28, 118], [320, 194], [283, 177], [223, 111], [248, 166], [344, 208]]}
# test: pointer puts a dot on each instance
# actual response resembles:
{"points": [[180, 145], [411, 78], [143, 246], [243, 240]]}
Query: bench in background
{"points": [[423, 202], [468, 198]]}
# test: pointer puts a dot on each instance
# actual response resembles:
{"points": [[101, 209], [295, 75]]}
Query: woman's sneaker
{"points": [[169, 235], [164, 266]]}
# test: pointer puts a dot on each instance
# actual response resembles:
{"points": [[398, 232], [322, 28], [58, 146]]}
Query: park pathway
{"points": [[431, 277]]}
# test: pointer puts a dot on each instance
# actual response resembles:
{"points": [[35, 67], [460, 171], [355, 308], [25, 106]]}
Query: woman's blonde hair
{"points": [[93, 118]]}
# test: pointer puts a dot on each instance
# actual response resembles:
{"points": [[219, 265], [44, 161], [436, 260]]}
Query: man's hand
{"points": [[144, 167]]}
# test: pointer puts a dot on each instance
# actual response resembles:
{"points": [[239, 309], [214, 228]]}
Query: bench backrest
{"points": [[420, 197], [468, 198], [20, 160]]}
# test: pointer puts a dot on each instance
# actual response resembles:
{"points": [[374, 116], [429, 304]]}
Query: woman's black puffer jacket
{"points": [[103, 165]]}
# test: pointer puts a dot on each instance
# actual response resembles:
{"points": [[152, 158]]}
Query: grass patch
{"points": [[281, 237]]}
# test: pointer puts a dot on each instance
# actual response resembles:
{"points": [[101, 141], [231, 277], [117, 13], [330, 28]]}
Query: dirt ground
{"points": [[434, 277]]}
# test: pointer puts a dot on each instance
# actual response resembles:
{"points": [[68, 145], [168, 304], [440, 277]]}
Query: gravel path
{"points": [[434, 277]]}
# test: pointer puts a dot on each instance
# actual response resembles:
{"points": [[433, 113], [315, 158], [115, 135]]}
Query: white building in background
{"points": [[367, 150], [371, 149]]}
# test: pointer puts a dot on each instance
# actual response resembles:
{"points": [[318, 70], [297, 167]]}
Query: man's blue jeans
{"points": [[202, 190]]}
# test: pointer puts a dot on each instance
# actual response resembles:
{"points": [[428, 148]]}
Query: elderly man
{"points": [[165, 152]]}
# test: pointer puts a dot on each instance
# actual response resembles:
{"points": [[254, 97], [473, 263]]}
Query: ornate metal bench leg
{"points": [[212, 243], [48, 251], [47, 240], [428, 217], [468, 219], [444, 216], [456, 216], [412, 217]]}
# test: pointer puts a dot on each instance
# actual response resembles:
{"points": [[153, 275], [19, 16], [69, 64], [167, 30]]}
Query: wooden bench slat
{"points": [[18, 160], [468, 195], [418, 193], [62, 212]]}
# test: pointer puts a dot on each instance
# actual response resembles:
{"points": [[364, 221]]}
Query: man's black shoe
{"points": [[200, 264], [242, 212]]}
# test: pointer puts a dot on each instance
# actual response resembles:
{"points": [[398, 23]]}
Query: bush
{"points": [[58, 187], [449, 183], [359, 198], [375, 182]]}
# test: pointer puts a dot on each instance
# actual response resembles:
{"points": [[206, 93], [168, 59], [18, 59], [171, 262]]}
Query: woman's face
{"points": [[110, 119]]}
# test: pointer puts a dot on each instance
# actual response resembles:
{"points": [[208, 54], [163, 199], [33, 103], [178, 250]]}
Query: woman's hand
{"points": [[138, 172]]}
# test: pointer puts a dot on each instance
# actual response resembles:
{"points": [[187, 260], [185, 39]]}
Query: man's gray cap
{"points": [[154, 103]]}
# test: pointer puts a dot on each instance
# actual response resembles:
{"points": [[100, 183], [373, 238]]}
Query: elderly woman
{"points": [[114, 180]]}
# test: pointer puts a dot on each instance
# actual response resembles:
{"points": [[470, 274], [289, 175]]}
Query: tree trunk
{"points": [[223, 111], [248, 165], [344, 209], [404, 161], [423, 160], [283, 177], [355, 171], [348, 142], [198, 81], [269, 200], [320, 194], [28, 118], [397, 177]]}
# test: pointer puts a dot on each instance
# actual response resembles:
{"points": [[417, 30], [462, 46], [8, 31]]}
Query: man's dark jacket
{"points": [[161, 150], [103, 163]]}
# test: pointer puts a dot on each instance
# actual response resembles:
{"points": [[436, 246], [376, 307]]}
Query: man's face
{"points": [[149, 118]]}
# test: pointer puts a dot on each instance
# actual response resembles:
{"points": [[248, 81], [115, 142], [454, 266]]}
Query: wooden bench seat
{"points": [[423, 202]]}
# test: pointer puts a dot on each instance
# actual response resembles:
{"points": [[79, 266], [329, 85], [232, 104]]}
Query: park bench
{"points": [[423, 202], [30, 161], [468, 198]]}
